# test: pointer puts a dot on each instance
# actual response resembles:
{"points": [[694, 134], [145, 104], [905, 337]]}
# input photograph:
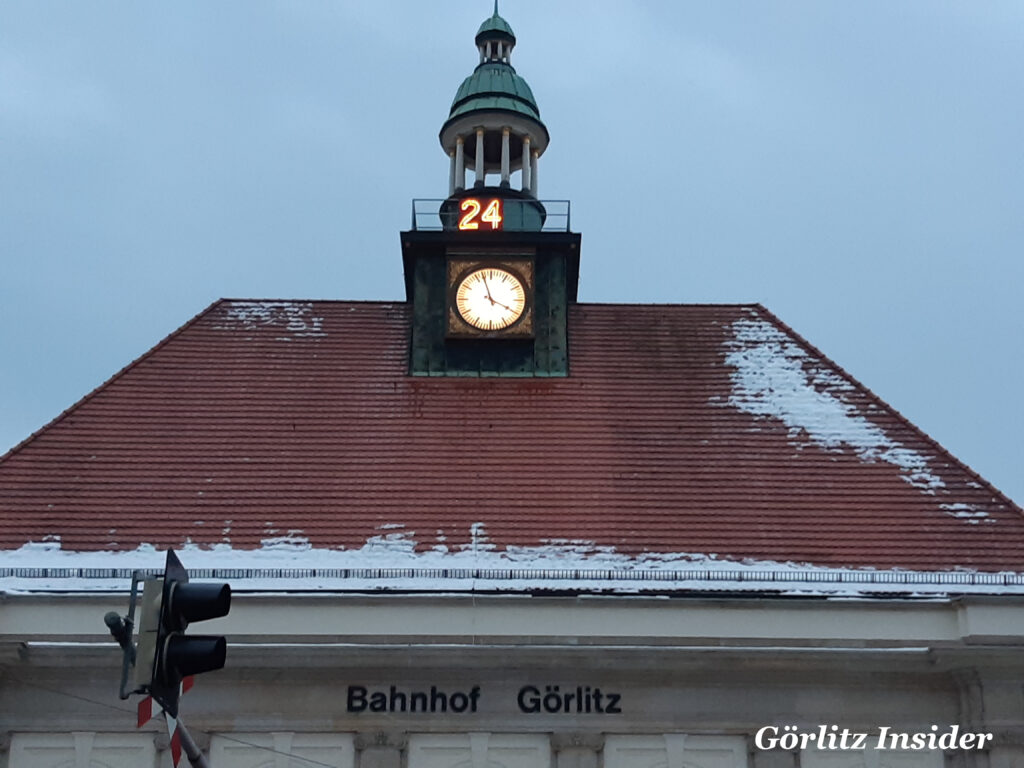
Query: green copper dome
{"points": [[495, 28], [494, 85]]}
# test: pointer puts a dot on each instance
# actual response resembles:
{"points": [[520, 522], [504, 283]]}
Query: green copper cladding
{"points": [[431, 353], [495, 28], [494, 85]]}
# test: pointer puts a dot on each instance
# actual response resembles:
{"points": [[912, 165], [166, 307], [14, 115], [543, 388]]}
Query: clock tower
{"points": [[490, 270]]}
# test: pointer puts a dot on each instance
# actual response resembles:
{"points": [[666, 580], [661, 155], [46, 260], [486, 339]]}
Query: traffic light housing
{"points": [[165, 654]]}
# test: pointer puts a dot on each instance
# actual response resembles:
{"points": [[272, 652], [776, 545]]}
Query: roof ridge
{"points": [[772, 317], [255, 299], [653, 304], [95, 391], [657, 304]]}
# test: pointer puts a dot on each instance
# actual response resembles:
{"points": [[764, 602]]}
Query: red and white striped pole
{"points": [[173, 732], [180, 739], [147, 707]]}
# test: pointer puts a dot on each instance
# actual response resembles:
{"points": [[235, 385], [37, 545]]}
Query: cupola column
{"points": [[460, 164], [481, 175], [534, 162], [505, 162], [526, 163], [451, 173]]}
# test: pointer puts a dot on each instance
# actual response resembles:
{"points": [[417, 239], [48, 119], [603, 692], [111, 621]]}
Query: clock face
{"points": [[490, 298]]}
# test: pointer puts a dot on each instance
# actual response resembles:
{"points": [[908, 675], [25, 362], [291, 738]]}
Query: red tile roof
{"points": [[681, 429]]}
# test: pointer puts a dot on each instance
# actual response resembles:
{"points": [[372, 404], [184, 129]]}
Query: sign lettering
{"points": [[361, 699], [529, 700]]}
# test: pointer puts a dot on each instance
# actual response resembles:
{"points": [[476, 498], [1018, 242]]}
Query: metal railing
{"points": [[518, 215]]}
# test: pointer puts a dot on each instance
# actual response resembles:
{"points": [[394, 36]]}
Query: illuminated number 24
{"points": [[471, 207]]}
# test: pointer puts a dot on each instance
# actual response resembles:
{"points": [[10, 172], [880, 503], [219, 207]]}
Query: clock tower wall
{"points": [[436, 351]]}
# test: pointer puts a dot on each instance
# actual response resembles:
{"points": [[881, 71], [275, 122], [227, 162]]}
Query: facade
{"points": [[495, 527]]}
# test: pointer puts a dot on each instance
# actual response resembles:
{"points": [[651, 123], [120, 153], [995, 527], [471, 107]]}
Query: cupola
{"points": [[494, 126]]}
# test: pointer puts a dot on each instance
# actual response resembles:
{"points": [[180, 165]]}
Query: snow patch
{"points": [[296, 318], [292, 541], [774, 377], [399, 544], [478, 539], [969, 512]]}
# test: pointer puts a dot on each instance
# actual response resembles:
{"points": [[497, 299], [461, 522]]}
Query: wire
{"points": [[72, 695], [58, 692], [308, 760]]}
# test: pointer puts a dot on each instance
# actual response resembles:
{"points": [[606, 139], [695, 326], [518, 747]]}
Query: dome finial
{"points": [[495, 7]]}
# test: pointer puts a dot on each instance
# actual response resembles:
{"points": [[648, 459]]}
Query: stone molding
{"points": [[562, 741], [381, 739]]}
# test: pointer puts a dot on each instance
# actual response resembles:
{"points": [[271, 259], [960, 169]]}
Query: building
{"points": [[493, 526]]}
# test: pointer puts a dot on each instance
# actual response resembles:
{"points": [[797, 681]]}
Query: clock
{"points": [[490, 298]]}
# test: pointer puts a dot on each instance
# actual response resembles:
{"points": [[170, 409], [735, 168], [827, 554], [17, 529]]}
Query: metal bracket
{"points": [[122, 630]]}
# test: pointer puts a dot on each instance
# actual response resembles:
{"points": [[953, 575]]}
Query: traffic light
{"points": [[165, 654]]}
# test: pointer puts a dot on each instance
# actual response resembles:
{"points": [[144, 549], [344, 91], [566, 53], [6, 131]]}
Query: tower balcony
{"points": [[490, 210]]}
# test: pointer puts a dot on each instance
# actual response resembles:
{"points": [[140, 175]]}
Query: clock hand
{"points": [[488, 288]]}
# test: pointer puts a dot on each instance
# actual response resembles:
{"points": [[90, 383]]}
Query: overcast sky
{"points": [[857, 167]]}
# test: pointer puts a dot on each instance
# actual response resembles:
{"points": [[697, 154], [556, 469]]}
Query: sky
{"points": [[858, 168]]}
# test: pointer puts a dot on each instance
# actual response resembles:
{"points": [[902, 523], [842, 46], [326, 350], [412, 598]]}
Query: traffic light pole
{"points": [[190, 749]]}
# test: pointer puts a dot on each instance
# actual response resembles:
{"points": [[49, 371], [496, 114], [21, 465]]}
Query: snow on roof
{"points": [[772, 377], [295, 317], [390, 562]]}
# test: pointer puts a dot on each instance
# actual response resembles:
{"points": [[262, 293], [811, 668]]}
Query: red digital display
{"points": [[481, 214]]}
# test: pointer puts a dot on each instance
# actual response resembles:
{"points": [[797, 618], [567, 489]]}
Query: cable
{"points": [[308, 760], [71, 695]]}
